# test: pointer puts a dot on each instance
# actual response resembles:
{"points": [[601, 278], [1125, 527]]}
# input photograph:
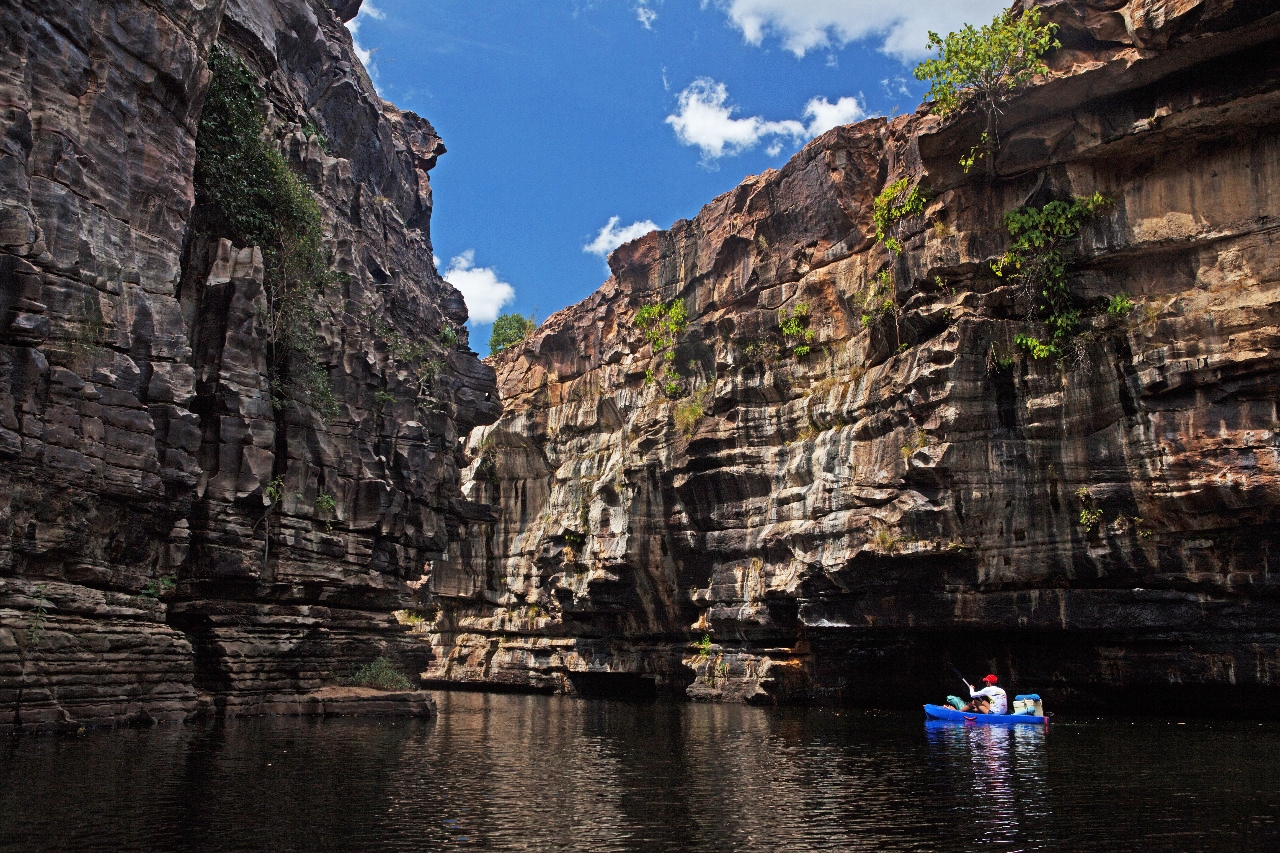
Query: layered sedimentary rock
{"points": [[917, 490], [148, 566]]}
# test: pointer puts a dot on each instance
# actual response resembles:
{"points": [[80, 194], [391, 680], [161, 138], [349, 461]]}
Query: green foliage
{"points": [[1040, 258], [448, 336], [419, 357], [252, 196], [1089, 519], [509, 330], [274, 492], [692, 410], [919, 439], [704, 646], [310, 131], [880, 298], [380, 675], [663, 324], [1120, 305], [984, 66], [886, 541], [160, 587], [977, 152], [1089, 514], [1034, 347], [893, 203], [792, 325], [326, 503]]}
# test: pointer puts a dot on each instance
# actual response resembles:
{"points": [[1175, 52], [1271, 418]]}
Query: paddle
{"points": [[962, 678]]}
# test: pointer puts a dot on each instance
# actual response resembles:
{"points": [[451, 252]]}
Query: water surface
{"points": [[503, 772]]}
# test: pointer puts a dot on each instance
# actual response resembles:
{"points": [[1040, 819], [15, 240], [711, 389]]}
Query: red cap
{"points": [[990, 679]]}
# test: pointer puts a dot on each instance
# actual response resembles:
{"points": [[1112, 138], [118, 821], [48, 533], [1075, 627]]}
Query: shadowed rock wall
{"points": [[144, 570], [916, 491]]}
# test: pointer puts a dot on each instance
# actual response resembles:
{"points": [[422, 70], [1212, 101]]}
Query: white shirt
{"points": [[999, 699]]}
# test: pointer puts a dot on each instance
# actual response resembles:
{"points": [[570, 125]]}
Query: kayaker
{"points": [[995, 695], [980, 705]]}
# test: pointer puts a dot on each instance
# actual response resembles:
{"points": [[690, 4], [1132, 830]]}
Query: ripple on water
{"points": [[504, 772]]}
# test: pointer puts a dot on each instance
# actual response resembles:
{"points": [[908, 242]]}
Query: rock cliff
{"points": [[841, 515], [176, 534]]}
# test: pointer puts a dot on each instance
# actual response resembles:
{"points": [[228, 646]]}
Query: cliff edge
{"points": [[860, 471], [181, 528]]}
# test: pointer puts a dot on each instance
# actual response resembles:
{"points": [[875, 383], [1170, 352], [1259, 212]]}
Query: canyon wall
{"points": [[916, 490], [175, 536]]}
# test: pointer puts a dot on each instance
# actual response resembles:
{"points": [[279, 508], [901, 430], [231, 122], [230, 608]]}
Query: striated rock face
{"points": [[148, 567], [917, 490]]}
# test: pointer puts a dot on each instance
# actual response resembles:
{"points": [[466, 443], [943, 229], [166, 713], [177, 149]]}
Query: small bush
{"points": [[895, 202], [793, 326], [380, 675], [1120, 305], [663, 324], [1041, 258], [160, 587], [687, 415]]}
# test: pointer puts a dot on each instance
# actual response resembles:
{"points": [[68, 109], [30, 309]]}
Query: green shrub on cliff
{"points": [[894, 203], [381, 674], [1040, 258], [663, 323], [509, 330], [793, 326], [983, 66], [247, 193]]}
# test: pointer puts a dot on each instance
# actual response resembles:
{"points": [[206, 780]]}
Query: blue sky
{"points": [[572, 124]]}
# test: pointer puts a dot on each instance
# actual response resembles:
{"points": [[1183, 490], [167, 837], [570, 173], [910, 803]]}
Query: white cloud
{"points": [[483, 291], [611, 236], [824, 115], [646, 14], [704, 118], [367, 11], [901, 27]]}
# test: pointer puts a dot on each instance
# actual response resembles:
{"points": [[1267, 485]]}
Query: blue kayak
{"points": [[949, 714]]}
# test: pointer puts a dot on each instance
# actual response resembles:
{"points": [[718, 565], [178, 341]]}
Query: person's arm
{"points": [[973, 694]]}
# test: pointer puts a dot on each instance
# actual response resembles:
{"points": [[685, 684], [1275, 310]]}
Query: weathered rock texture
{"points": [[845, 524], [137, 432]]}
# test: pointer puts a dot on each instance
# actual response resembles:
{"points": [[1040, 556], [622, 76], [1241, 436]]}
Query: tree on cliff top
{"points": [[984, 66], [509, 330]]}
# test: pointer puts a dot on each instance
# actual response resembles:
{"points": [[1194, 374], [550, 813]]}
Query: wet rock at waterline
{"points": [[840, 511]]}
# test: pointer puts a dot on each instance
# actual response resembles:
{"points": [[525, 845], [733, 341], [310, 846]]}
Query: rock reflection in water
{"points": [[541, 773]]}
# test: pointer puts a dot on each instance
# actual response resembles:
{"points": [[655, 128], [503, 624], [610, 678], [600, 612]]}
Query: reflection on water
{"points": [[501, 772], [1003, 768]]}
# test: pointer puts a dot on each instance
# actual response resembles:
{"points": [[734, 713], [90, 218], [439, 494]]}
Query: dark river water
{"points": [[501, 772]]}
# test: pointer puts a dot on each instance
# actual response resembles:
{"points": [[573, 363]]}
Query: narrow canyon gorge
{"points": [[834, 466]]}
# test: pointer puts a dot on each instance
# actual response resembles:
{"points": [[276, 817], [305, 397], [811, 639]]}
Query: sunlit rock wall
{"points": [[141, 574], [847, 524]]}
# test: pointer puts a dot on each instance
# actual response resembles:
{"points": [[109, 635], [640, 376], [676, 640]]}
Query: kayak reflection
{"points": [[1003, 769]]}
